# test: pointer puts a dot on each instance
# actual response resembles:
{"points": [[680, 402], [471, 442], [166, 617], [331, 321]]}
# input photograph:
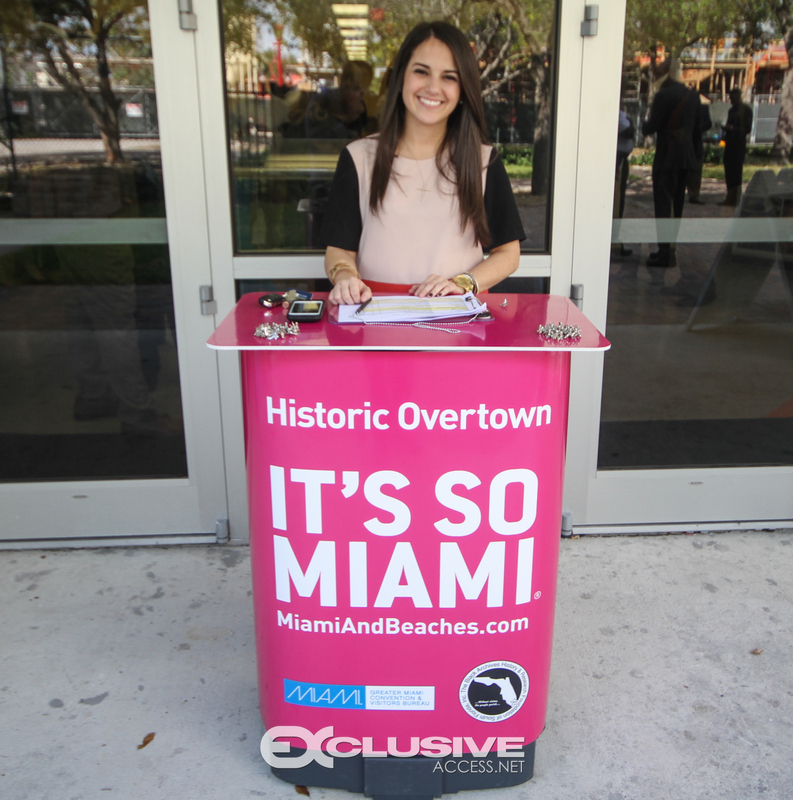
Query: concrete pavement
{"points": [[656, 692]]}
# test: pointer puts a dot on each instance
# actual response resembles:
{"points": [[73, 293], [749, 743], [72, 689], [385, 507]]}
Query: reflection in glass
{"points": [[303, 80], [699, 373], [91, 381]]}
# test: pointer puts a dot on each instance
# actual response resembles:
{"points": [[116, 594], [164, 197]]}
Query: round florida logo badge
{"points": [[494, 691]]}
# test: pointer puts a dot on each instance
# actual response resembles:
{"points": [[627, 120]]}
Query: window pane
{"points": [[90, 384], [700, 286], [304, 79]]}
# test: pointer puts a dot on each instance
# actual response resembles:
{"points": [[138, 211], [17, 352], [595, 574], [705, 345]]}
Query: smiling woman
{"points": [[412, 209], [430, 92]]}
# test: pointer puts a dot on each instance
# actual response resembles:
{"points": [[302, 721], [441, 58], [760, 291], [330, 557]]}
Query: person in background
{"points": [[676, 120], [735, 131], [625, 142], [340, 113]]}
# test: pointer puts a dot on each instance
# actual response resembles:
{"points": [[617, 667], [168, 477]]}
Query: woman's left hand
{"points": [[435, 286]]}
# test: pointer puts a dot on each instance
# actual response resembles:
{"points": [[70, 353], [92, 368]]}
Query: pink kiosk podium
{"points": [[405, 490]]}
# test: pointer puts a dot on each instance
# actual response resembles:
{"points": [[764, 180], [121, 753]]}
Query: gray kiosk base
{"points": [[416, 778]]}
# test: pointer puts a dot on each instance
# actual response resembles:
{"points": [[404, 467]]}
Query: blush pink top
{"points": [[417, 229]]}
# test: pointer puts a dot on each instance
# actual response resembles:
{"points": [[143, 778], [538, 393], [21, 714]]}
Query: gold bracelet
{"points": [[339, 267], [473, 278], [467, 282]]}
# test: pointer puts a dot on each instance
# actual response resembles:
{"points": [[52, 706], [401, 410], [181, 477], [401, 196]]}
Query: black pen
{"points": [[363, 306]]}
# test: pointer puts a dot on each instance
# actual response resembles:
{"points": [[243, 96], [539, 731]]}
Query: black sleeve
{"points": [[341, 225], [656, 119], [696, 133], [503, 218]]}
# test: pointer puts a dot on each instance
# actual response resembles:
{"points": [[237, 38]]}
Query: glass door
{"points": [[301, 81], [102, 354], [696, 421]]}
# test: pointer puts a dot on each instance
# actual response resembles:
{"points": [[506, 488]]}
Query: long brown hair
{"points": [[465, 128]]}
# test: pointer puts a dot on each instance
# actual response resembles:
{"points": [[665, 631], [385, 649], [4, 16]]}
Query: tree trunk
{"points": [[106, 117], [102, 106], [649, 141], [540, 173], [784, 125], [111, 138]]}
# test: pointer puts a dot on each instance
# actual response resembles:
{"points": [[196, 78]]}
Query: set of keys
{"points": [[274, 299], [299, 308]]}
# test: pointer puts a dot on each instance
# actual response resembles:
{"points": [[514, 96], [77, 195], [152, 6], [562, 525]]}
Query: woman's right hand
{"points": [[349, 290]]}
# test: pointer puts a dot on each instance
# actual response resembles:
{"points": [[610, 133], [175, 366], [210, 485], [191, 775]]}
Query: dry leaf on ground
{"points": [[147, 739]]}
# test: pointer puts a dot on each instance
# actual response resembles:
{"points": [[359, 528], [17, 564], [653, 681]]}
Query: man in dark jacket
{"points": [[675, 117], [736, 129]]}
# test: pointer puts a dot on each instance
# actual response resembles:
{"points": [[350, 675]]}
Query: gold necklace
{"points": [[423, 188], [424, 181]]}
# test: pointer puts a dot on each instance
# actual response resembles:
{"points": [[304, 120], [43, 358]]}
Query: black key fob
{"points": [[271, 300]]}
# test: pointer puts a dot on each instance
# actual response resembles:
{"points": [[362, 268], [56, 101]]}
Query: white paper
{"points": [[412, 309]]}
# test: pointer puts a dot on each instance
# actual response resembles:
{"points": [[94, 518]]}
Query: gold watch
{"points": [[467, 282]]}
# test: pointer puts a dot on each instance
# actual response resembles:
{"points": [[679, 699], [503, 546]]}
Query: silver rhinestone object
{"points": [[277, 330], [559, 331]]}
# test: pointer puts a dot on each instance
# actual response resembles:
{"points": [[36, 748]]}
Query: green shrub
{"points": [[714, 154], [641, 157], [520, 155]]}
